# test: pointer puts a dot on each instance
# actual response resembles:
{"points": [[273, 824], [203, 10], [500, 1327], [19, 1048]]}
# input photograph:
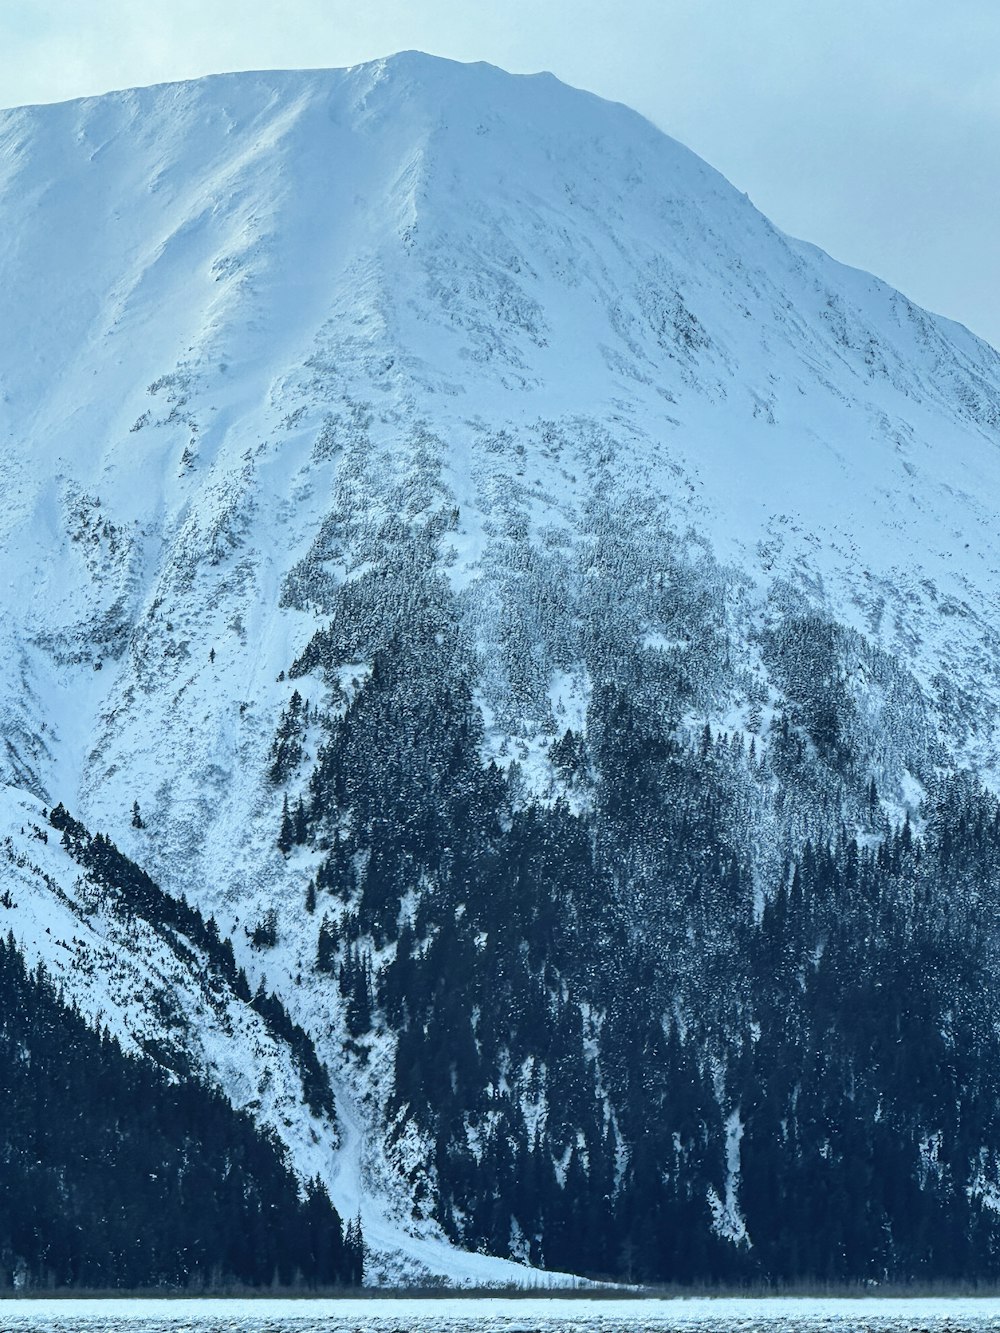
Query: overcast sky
{"points": [[871, 127]]}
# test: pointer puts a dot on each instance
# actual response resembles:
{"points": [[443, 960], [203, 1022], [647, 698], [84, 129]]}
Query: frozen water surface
{"points": [[500, 1315]]}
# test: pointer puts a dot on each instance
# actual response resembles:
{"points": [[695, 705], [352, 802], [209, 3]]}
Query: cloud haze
{"points": [[872, 130]]}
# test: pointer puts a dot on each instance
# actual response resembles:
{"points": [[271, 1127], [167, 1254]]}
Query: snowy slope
{"points": [[150, 988], [157, 994], [244, 316]]}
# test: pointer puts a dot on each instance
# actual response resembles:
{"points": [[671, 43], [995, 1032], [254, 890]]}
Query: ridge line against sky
{"points": [[870, 130]]}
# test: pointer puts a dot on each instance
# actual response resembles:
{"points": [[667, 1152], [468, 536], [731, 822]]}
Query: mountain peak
{"points": [[387, 445]]}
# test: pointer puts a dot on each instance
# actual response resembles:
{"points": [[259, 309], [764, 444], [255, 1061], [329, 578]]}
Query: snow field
{"points": [[500, 1315]]}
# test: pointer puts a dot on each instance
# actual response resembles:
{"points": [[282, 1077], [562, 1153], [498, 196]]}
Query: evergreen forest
{"points": [[702, 1011], [117, 1176]]}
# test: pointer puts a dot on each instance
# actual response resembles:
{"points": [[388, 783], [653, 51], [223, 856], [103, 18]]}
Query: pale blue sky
{"points": [[871, 127]]}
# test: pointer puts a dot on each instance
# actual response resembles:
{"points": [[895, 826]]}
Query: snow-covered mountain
{"points": [[307, 375]]}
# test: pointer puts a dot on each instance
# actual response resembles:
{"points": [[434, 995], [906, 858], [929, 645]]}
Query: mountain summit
{"points": [[548, 618]]}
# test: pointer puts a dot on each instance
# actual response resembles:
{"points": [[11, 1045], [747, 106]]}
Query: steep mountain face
{"points": [[548, 619]]}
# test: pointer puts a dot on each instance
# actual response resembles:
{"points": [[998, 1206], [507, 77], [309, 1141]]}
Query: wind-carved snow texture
{"points": [[305, 354]]}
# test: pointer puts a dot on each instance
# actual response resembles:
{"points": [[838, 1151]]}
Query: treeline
{"points": [[678, 1023], [179, 922], [114, 1176]]}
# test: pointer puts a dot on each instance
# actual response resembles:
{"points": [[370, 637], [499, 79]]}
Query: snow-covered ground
{"points": [[499, 1315]]}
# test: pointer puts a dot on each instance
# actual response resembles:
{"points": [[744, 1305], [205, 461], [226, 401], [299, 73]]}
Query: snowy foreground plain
{"points": [[501, 1315]]}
